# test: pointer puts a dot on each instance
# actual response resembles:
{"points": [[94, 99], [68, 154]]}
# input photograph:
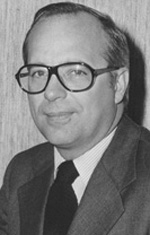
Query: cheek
{"points": [[34, 104], [99, 103]]}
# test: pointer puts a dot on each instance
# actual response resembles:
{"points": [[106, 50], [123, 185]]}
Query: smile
{"points": [[59, 118]]}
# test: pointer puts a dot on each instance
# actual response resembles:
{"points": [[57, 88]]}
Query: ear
{"points": [[121, 84]]}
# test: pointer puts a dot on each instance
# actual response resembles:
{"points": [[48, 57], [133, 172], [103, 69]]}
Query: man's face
{"points": [[73, 122]]}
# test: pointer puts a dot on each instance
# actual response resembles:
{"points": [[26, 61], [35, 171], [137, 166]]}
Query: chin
{"points": [[57, 139]]}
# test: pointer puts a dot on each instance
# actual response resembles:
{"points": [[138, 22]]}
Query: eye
{"points": [[76, 73], [79, 72], [37, 73]]}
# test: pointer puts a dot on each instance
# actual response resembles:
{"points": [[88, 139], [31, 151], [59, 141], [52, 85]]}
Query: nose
{"points": [[54, 90]]}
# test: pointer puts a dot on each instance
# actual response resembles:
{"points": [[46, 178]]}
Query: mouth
{"points": [[59, 117]]}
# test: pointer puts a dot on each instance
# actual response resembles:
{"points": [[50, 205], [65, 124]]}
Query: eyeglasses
{"points": [[73, 76]]}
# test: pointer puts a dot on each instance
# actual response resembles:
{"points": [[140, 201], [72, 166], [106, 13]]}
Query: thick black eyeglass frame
{"points": [[54, 70]]}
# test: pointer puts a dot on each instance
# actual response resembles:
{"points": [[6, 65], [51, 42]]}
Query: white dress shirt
{"points": [[85, 164]]}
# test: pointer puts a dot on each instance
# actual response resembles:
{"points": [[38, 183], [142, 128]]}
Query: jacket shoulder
{"points": [[145, 135], [26, 164], [144, 147]]}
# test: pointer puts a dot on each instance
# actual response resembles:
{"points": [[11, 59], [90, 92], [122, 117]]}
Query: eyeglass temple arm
{"points": [[101, 71]]}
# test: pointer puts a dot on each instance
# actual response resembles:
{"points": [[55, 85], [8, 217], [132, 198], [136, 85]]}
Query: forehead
{"points": [[80, 31]]}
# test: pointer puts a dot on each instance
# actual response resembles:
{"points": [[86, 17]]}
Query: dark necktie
{"points": [[62, 203]]}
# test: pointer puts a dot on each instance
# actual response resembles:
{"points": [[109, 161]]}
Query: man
{"points": [[76, 74]]}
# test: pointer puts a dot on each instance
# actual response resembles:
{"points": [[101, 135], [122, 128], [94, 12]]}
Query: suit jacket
{"points": [[116, 200]]}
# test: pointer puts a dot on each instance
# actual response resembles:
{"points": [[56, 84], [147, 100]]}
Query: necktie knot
{"points": [[67, 172]]}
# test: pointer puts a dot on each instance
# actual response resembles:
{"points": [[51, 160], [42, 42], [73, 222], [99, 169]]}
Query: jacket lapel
{"points": [[102, 206], [32, 195]]}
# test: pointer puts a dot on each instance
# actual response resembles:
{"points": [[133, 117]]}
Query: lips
{"points": [[59, 117]]}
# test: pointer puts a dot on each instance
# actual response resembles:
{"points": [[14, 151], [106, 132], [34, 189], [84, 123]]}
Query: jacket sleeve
{"points": [[3, 211], [9, 210]]}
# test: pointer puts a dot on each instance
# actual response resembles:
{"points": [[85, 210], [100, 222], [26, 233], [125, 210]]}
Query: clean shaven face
{"points": [[73, 122]]}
